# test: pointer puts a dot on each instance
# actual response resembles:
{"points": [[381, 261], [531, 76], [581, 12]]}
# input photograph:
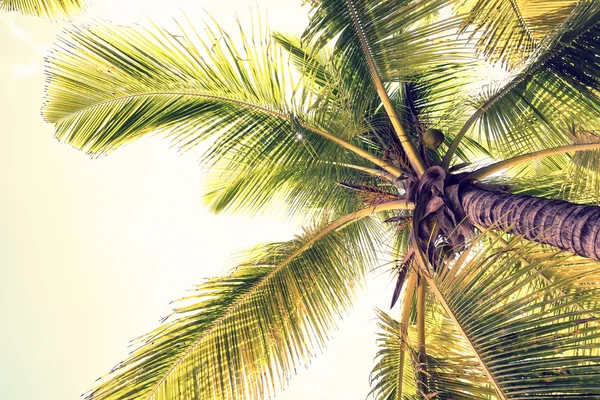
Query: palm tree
{"points": [[52, 9], [462, 130]]}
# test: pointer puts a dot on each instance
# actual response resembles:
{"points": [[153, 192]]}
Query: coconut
{"points": [[433, 138]]}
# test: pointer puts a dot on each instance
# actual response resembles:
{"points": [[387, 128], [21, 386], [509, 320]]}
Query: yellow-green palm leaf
{"points": [[52, 9], [243, 335]]}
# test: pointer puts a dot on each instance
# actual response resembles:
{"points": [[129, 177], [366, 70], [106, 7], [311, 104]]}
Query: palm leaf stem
{"points": [[498, 239], [338, 223], [421, 297], [499, 166], [371, 171], [409, 290], [411, 152], [355, 149], [423, 266]]}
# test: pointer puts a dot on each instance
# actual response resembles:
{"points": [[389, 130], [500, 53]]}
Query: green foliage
{"points": [[529, 313], [51, 9], [552, 99], [510, 30], [452, 373], [133, 81], [408, 41], [298, 125], [244, 334]]}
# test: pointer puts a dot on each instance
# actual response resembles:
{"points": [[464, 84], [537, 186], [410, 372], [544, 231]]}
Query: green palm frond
{"points": [[433, 98], [133, 81], [305, 188], [385, 375], [531, 335], [243, 335], [52, 9], [408, 41], [557, 87], [335, 88], [510, 30], [585, 272], [572, 169], [402, 38], [451, 373]]}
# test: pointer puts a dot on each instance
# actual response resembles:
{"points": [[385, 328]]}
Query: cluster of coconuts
{"points": [[433, 138]]}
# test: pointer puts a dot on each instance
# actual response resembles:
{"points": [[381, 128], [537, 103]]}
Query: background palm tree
{"points": [[343, 128], [53, 9]]}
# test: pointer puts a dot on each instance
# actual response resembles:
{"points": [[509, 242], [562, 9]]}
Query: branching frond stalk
{"points": [[409, 290], [421, 296], [499, 166], [411, 152]]}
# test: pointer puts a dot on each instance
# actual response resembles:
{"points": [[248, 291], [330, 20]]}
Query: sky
{"points": [[93, 250]]}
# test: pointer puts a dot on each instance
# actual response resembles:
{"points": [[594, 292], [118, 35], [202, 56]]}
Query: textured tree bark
{"points": [[568, 226]]}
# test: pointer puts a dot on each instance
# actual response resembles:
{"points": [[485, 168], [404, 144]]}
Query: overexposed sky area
{"points": [[93, 251]]}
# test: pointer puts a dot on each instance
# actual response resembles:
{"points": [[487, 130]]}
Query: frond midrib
{"points": [[171, 93], [407, 145], [442, 300]]}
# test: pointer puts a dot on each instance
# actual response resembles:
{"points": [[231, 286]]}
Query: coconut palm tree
{"points": [[459, 137], [52, 9]]}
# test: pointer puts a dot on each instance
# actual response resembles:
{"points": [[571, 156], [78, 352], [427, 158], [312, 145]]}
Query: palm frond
{"points": [[334, 88], [433, 97], [389, 41], [403, 38], [52, 9], [510, 30], [526, 332], [550, 173], [556, 86], [451, 372], [109, 85], [244, 335], [386, 372], [302, 189], [570, 267]]}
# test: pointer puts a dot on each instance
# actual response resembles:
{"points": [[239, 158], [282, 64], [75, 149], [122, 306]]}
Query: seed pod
{"points": [[433, 138]]}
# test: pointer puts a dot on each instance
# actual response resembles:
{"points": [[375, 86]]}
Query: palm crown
{"points": [[497, 273]]}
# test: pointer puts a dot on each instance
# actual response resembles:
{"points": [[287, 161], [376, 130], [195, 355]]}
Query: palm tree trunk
{"points": [[568, 226]]}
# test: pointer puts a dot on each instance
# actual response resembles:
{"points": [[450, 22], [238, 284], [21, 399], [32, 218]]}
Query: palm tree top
{"points": [[378, 122]]}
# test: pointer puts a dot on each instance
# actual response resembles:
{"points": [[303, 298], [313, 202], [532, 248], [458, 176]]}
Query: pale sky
{"points": [[93, 251]]}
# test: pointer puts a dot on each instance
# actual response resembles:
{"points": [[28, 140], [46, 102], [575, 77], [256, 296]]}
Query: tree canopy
{"points": [[335, 127]]}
